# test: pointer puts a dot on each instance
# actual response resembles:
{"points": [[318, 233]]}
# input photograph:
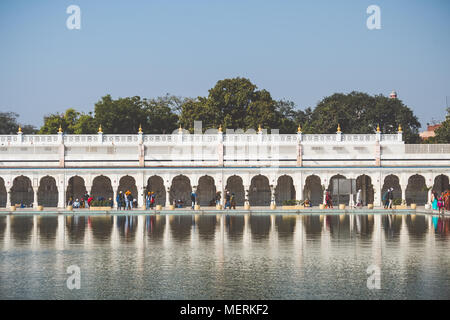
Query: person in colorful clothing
{"points": [[441, 203]]}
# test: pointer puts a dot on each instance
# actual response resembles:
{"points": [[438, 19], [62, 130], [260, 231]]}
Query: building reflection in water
{"points": [[274, 230]]}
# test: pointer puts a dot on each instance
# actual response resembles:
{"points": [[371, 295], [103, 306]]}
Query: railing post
{"points": [[299, 147], [400, 133], [20, 135], [220, 147], [338, 134]]}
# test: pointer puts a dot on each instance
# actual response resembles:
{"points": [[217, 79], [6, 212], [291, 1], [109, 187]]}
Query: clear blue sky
{"points": [[297, 50]]}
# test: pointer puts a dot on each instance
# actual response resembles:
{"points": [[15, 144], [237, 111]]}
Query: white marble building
{"points": [[49, 169]]}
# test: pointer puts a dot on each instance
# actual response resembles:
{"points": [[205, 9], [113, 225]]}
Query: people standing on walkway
{"points": [[193, 199], [148, 200], [385, 199], [328, 200], [447, 200], [119, 200], [358, 199], [391, 197], [218, 197], [434, 200], [152, 200], [233, 201], [89, 201], [130, 200], [228, 200], [85, 199], [441, 203]]}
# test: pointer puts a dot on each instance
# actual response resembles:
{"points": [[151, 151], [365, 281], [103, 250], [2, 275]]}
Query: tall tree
{"points": [[233, 103], [358, 112], [9, 124], [291, 117], [125, 115], [71, 121], [160, 114], [443, 132]]}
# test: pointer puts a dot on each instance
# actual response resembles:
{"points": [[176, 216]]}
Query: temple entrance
{"points": [[259, 193], [156, 184], [48, 192], [236, 186], [22, 192], [206, 191], [313, 190], [285, 190]]}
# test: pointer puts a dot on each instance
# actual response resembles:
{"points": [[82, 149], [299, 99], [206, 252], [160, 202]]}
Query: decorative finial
{"points": [[378, 128], [20, 130], [180, 130], [140, 128], [400, 128], [299, 130], [220, 128], [60, 129], [339, 128], [100, 129], [259, 128]]}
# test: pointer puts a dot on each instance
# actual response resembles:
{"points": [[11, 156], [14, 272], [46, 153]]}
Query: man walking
{"points": [[119, 200], [385, 199], [227, 200], [193, 199], [391, 197]]}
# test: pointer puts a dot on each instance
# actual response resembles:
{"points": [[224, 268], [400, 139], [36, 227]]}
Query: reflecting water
{"points": [[225, 256]]}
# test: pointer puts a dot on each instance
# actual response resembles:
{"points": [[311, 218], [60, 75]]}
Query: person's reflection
{"points": [[440, 225], [358, 224], [149, 222], [435, 222], [328, 222]]}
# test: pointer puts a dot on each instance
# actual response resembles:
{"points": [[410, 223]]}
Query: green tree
{"points": [[86, 124], [233, 103], [443, 132], [291, 117], [160, 114], [68, 121], [9, 124], [359, 112], [126, 115], [123, 115]]}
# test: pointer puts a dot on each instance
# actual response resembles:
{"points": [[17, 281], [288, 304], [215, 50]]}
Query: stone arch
{"points": [[156, 184], [22, 191], [235, 185], [416, 190], [48, 192], [181, 189], [364, 182], [101, 188], [259, 193], [392, 181], [284, 190], [3, 194], [206, 191], [75, 188], [128, 183], [341, 198], [441, 184], [313, 190]]}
